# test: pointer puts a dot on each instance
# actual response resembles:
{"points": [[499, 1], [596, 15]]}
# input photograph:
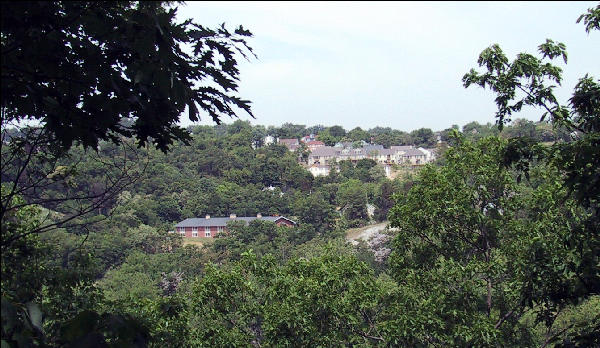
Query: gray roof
{"points": [[414, 152], [324, 151], [369, 148], [344, 144], [386, 152], [401, 147], [222, 221]]}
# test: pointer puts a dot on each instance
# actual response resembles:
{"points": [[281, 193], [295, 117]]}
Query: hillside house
{"points": [[291, 144], [323, 155], [208, 227], [414, 156], [307, 138], [313, 144]]}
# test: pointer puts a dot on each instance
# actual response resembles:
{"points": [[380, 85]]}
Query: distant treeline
{"points": [[422, 137]]}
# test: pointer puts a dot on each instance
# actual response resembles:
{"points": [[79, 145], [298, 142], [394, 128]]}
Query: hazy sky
{"points": [[388, 64]]}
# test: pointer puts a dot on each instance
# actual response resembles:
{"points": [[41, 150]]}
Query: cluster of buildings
{"points": [[322, 158]]}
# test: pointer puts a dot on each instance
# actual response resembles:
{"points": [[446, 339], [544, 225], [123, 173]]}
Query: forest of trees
{"points": [[494, 244]]}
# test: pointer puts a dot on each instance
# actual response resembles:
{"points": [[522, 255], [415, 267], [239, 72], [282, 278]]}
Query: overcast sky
{"points": [[399, 65]]}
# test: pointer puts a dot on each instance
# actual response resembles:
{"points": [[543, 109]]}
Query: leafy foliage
{"points": [[591, 19], [325, 300], [477, 248], [91, 71]]}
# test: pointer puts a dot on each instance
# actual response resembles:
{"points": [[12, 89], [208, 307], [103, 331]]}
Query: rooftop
{"points": [[222, 221]]}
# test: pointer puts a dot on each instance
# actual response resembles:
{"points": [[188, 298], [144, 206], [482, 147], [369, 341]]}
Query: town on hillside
{"points": [[322, 159]]}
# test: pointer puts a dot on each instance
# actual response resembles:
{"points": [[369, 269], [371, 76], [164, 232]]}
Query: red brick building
{"points": [[209, 227]]}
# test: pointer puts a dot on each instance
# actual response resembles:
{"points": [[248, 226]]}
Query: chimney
{"points": [[207, 216], [259, 215], [232, 216]]}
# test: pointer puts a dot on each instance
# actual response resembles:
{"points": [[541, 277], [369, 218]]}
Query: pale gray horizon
{"points": [[388, 64]]}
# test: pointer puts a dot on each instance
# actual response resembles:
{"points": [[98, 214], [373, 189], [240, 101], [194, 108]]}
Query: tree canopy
{"points": [[87, 71]]}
